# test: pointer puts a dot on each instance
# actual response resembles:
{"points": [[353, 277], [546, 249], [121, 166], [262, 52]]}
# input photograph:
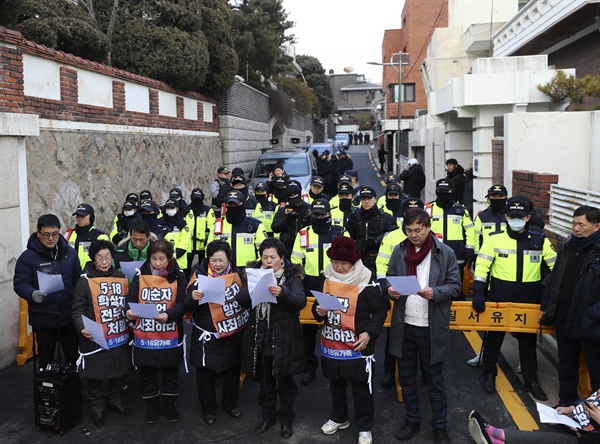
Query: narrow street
{"points": [[510, 407]]}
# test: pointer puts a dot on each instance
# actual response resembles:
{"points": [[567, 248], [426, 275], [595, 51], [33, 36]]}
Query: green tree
{"points": [[223, 65], [9, 12], [305, 100], [258, 31], [62, 25], [315, 77]]}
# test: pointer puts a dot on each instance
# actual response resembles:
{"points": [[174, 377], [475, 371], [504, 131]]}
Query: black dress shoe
{"points": [[121, 409], [236, 413], [209, 419], [98, 419], [536, 391], [264, 425], [441, 436], [387, 380], [489, 383], [407, 430], [286, 431], [307, 378]]}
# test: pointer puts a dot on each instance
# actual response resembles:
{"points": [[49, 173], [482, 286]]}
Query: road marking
{"points": [[519, 412], [382, 183]]}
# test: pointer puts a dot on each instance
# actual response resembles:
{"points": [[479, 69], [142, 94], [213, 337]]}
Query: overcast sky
{"points": [[343, 33]]}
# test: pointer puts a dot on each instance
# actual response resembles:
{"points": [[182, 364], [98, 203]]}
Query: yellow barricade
{"points": [[25, 337], [501, 316]]}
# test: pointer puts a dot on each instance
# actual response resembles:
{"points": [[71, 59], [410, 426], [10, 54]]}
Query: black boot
{"points": [[168, 403], [153, 413]]}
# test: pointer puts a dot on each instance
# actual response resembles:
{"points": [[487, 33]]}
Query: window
{"points": [[345, 96], [408, 92]]}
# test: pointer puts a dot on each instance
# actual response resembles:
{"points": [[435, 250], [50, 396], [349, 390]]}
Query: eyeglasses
{"points": [[47, 235], [103, 258], [214, 260]]}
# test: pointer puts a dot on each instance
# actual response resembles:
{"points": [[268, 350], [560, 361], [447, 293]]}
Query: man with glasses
{"points": [[49, 313]]}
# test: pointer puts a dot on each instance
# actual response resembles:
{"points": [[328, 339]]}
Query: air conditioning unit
{"points": [[420, 112]]}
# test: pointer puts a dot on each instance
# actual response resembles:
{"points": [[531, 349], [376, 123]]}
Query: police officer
{"points": [[290, 218], [187, 213], [512, 260], [317, 186], [492, 218], [267, 206], [451, 223], [178, 232], [393, 201], [368, 226], [123, 222], [391, 179], [204, 219], [253, 209], [243, 234], [84, 232], [344, 208], [388, 243], [309, 250], [150, 213]]}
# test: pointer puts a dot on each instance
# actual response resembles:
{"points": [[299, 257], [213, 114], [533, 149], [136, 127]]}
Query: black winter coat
{"points": [[223, 353], [288, 347], [288, 222], [170, 357], [64, 261], [105, 364], [457, 176], [325, 170], [371, 311], [414, 180], [368, 229]]}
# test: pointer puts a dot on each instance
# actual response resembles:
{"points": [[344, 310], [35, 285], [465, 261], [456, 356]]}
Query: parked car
{"points": [[333, 148], [342, 138], [298, 164]]}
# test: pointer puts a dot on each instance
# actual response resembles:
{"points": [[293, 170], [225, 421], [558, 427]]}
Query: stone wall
{"points": [[65, 168]]}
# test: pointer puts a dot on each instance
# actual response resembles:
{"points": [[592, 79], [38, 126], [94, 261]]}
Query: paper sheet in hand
{"points": [[147, 311], [406, 285], [96, 331], [128, 268], [213, 289], [327, 302], [259, 281], [49, 283], [550, 415]]}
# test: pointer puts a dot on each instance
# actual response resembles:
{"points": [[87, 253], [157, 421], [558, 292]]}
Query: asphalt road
{"points": [[515, 407]]}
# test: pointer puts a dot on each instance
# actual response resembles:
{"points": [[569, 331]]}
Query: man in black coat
{"points": [[291, 218], [456, 173], [49, 313], [413, 178]]}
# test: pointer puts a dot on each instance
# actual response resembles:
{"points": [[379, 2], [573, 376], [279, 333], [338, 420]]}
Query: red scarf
{"points": [[413, 258]]}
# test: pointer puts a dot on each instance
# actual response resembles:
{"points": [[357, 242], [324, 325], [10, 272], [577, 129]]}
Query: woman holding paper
{"points": [[348, 336], [158, 342], [100, 296], [272, 350], [216, 336]]}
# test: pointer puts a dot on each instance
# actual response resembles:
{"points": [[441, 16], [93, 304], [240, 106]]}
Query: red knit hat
{"points": [[343, 249]]}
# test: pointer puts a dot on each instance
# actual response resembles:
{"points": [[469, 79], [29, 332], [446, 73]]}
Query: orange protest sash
{"points": [[149, 333], [108, 298], [229, 318], [338, 333]]}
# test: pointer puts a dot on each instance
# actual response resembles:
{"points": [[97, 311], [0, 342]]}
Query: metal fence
{"points": [[564, 200]]}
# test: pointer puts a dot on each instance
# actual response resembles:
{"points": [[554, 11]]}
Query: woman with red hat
{"points": [[348, 336]]}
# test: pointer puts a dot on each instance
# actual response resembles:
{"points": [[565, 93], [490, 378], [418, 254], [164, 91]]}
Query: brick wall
{"points": [[497, 160], [584, 56], [535, 186], [67, 108]]}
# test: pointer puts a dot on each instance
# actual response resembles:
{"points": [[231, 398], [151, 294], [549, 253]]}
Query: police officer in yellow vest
{"points": [[84, 232], [309, 250], [451, 223], [343, 209], [243, 234], [204, 219], [177, 231], [267, 206], [492, 218], [511, 261]]}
